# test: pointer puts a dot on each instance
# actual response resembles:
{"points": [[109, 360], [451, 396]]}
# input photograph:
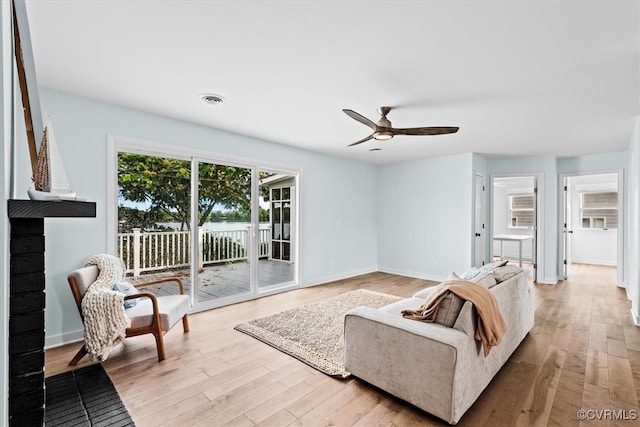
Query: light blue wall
{"points": [[338, 220], [425, 216], [593, 163]]}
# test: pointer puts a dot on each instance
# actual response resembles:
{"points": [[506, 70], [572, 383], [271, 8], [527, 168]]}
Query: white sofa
{"points": [[439, 369]]}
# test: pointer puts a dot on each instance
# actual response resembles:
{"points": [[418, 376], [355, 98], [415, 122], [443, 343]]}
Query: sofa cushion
{"points": [[486, 279], [403, 304], [474, 271], [493, 265], [503, 273], [449, 309], [469, 274], [423, 294]]}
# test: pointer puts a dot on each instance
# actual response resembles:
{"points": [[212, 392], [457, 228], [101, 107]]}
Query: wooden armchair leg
{"points": [[160, 346], [185, 323], [79, 355]]}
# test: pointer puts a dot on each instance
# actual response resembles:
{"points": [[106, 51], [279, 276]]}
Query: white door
{"points": [[566, 230], [479, 238]]}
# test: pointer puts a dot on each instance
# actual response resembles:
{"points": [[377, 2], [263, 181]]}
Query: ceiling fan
{"points": [[382, 130]]}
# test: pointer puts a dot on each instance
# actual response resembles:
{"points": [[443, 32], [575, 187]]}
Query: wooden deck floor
{"points": [[222, 280], [583, 353]]}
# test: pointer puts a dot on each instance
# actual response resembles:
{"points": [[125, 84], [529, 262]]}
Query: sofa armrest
{"points": [[413, 360]]}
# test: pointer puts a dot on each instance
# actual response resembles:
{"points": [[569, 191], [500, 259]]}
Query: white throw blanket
{"points": [[105, 320]]}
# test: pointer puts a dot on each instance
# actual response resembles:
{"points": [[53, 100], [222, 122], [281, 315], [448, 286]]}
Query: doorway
{"points": [[515, 220], [591, 229]]}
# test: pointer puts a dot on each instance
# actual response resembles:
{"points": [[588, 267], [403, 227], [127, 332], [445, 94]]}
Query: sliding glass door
{"points": [[225, 231], [154, 216], [228, 230]]}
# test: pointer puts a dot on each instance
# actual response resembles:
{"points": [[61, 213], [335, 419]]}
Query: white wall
{"points": [[6, 81], [425, 217], [632, 221], [338, 221]]}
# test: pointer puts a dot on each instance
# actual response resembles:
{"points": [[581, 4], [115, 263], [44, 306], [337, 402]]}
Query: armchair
{"points": [[150, 315]]}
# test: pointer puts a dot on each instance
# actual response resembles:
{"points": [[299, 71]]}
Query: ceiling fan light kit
{"points": [[383, 130], [382, 136]]}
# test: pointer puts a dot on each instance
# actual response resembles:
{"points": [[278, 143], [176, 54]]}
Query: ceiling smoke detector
{"points": [[212, 99]]}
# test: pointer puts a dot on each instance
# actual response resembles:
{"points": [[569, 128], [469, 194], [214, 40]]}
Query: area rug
{"points": [[314, 333], [84, 397]]}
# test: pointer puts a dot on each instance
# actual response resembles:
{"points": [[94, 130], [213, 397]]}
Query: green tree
{"points": [[166, 185]]}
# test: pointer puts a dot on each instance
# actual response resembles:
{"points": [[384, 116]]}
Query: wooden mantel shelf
{"points": [[51, 209]]}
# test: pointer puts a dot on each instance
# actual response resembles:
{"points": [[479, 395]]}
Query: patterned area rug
{"points": [[314, 333]]}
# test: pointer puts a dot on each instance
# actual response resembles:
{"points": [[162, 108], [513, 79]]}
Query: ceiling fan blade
{"points": [[361, 141], [359, 117], [434, 130]]}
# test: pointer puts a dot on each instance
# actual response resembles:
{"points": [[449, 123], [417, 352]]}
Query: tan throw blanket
{"points": [[491, 326], [105, 321]]}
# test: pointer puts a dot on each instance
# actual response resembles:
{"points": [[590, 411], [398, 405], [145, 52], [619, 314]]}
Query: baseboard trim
{"points": [[547, 280], [341, 276], [414, 274], [63, 339], [636, 319]]}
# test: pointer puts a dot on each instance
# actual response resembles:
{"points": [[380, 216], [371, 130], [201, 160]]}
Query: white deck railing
{"points": [[163, 250]]}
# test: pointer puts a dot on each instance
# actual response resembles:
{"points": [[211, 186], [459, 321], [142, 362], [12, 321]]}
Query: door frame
{"points": [[562, 202], [537, 254]]}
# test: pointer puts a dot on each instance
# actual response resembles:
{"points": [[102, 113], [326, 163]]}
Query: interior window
{"points": [[521, 208], [599, 210]]}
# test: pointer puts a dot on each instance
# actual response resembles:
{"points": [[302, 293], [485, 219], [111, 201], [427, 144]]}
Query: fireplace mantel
{"points": [[27, 302], [51, 209]]}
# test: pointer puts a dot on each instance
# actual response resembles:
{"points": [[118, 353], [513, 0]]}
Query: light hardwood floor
{"points": [[583, 352]]}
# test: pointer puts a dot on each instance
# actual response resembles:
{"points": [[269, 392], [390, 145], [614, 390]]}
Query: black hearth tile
{"points": [[115, 418], [22, 303], [26, 322], [24, 383], [26, 263], [92, 389], [27, 402], [78, 419], [27, 283], [26, 342], [27, 419], [27, 226], [26, 363], [63, 403], [26, 243]]}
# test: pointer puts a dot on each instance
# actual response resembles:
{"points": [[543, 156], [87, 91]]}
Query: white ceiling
{"points": [[517, 77]]}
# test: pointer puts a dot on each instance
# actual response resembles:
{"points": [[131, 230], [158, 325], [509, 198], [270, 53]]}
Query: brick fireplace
{"points": [[27, 303]]}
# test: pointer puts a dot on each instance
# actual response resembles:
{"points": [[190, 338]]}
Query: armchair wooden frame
{"points": [[154, 328]]}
